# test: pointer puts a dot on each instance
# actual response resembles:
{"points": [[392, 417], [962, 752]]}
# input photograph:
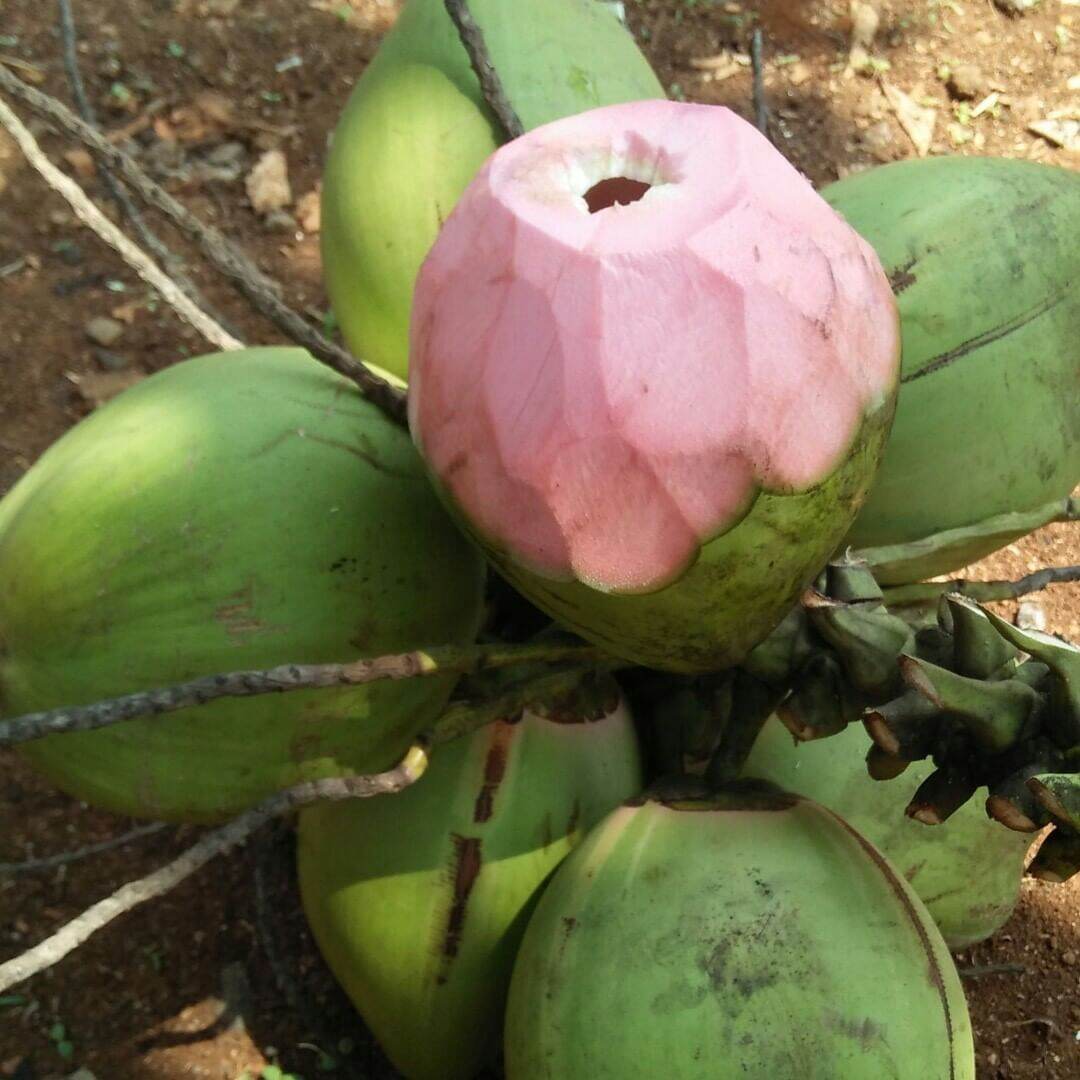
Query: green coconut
{"points": [[416, 129], [234, 511], [983, 259], [746, 934], [966, 871], [418, 902]]}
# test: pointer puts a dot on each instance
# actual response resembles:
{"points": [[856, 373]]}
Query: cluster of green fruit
{"points": [[254, 509]]}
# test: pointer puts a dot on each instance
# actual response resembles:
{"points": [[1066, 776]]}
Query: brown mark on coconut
{"points": [[466, 868], [237, 615], [494, 770], [936, 975], [901, 277]]}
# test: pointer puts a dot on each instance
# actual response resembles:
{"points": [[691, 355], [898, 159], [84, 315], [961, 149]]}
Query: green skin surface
{"points": [[424, 952], [984, 260], [235, 511], [748, 943], [742, 584], [967, 871], [415, 131]]}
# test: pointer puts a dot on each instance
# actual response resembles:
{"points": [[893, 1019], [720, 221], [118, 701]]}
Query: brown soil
{"points": [[210, 980]]}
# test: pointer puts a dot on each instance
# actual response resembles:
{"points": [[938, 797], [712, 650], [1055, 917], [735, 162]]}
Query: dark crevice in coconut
{"points": [[615, 189]]}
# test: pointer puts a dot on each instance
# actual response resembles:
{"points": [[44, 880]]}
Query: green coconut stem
{"points": [[867, 640], [472, 38], [995, 714], [1063, 660], [441, 660], [752, 703], [908, 562], [1059, 794], [236, 832], [982, 591], [979, 651], [1058, 859], [821, 703], [261, 292], [790, 645], [940, 795], [851, 581], [1012, 803], [904, 727], [882, 765]]}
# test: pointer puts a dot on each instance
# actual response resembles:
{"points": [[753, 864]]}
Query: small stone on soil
{"points": [[966, 82], [110, 361], [104, 331]]}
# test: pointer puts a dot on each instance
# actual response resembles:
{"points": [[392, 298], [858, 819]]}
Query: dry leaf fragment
{"points": [[98, 387], [268, 183], [917, 120]]}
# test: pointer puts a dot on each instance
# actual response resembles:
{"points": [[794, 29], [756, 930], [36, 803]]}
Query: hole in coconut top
{"points": [[615, 189]]}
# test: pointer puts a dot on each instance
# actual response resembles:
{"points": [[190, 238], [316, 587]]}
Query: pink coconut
{"points": [[635, 321]]}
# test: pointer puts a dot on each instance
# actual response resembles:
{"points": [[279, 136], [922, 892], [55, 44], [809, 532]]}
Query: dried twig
{"points": [[119, 194], [977, 971], [761, 110], [472, 37], [51, 862], [251, 282], [87, 212], [458, 720], [222, 840], [983, 591], [444, 659]]}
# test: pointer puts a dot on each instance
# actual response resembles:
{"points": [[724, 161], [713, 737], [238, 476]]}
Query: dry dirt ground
{"points": [[220, 977]]}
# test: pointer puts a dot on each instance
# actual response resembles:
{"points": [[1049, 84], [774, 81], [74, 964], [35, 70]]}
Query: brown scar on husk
{"points": [[901, 277], [466, 868], [494, 770], [237, 617]]}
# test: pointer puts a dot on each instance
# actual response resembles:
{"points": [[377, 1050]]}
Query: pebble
{"points": [[109, 361], [1069, 958], [104, 331], [1015, 7], [279, 221], [82, 1074], [966, 82], [1031, 615]]}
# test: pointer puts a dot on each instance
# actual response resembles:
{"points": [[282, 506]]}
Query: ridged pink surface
{"points": [[601, 393]]}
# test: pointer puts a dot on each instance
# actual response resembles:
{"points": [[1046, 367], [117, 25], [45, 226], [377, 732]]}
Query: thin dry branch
{"points": [[88, 213], [444, 659], [458, 720], [118, 193], [51, 862], [761, 109], [222, 840], [472, 38], [982, 591], [260, 291]]}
